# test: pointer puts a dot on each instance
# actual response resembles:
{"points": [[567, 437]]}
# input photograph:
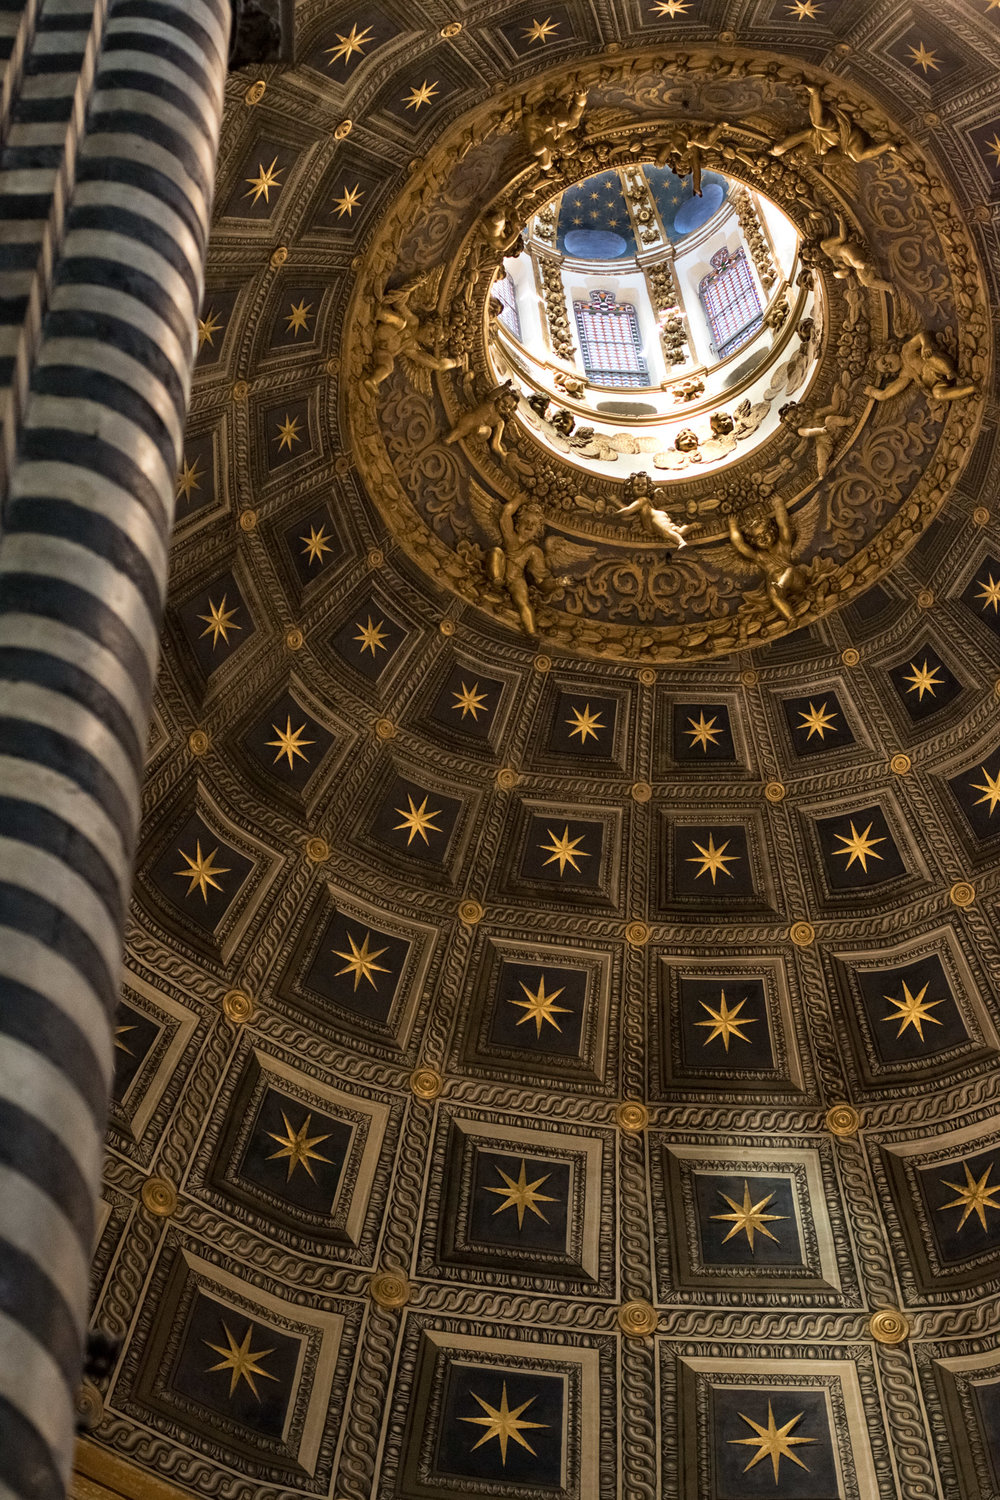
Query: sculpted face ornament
{"points": [[541, 424]]}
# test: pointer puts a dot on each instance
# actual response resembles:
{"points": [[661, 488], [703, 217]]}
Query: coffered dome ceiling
{"points": [[558, 1048]]}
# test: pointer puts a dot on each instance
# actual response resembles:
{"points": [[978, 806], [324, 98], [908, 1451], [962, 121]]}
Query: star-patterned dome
{"points": [[562, 1066]]}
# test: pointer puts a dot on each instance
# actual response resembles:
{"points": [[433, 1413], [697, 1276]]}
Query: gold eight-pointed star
{"points": [[584, 723], [361, 961], [912, 1010], [859, 846], [219, 622], [417, 820], [521, 1195], [201, 871], [540, 1007], [724, 1022], [974, 1197], [266, 179], [703, 731], [713, 860], [289, 743], [242, 1362], [298, 1147], [565, 850], [772, 1441], [923, 680], [747, 1217], [503, 1423], [817, 720]]}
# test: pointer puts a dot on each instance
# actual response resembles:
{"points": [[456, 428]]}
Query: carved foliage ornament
{"points": [[900, 368]]}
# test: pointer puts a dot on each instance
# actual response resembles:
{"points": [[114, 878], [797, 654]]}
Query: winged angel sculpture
{"points": [[403, 334], [767, 541], [523, 550]]}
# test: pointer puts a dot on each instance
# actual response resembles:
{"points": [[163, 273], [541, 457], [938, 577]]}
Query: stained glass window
{"points": [[610, 341], [504, 292], [730, 300]]}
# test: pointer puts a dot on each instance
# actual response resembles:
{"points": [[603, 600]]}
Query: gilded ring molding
{"points": [[918, 304]]}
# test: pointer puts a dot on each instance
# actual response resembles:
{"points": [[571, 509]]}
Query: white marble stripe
{"points": [[71, 297], [38, 785], [50, 480], [111, 245], [98, 421], [36, 633], [30, 961], [31, 1083], [46, 708], [153, 108], [116, 145], [31, 1219], [28, 868], [32, 1382], [161, 69], [50, 556], [134, 200], [161, 31], [204, 15], [94, 354]]}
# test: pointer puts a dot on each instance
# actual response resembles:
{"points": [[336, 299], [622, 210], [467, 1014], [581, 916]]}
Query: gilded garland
{"points": [[707, 563]]}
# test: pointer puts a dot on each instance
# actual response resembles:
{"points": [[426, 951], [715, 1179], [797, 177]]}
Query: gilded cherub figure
{"points": [[550, 123], [681, 152], [488, 419], [520, 553], [500, 235], [524, 551], [769, 544], [847, 256], [832, 129], [920, 361], [820, 431], [655, 522], [399, 334]]}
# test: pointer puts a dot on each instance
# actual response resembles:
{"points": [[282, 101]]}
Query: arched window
{"points": [[503, 291], [730, 300], [609, 341]]}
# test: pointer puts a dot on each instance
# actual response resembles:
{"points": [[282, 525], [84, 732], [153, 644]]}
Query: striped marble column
{"points": [[83, 564]]}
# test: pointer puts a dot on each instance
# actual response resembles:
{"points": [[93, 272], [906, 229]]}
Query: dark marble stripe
{"points": [[31, 1298], [27, 1465], [25, 664], [40, 828], [90, 529], [29, 1147], [28, 1016], [39, 745], [26, 912]]}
